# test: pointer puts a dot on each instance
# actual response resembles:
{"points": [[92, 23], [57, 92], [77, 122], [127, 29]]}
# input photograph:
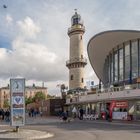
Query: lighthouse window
{"points": [[75, 21], [82, 80], [71, 78]]}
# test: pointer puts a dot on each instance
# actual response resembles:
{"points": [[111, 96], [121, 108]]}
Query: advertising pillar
{"points": [[17, 91]]}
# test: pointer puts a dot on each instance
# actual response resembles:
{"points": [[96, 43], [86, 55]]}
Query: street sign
{"points": [[17, 91]]}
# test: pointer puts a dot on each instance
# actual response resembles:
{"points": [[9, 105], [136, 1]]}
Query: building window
{"points": [[121, 61], [71, 77], [134, 56], [116, 66], [111, 68], [127, 61], [82, 80], [75, 21], [138, 107], [106, 71]]}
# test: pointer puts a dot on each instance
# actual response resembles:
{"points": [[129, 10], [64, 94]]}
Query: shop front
{"points": [[118, 110]]}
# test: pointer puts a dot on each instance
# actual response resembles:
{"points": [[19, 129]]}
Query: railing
{"points": [[113, 93], [120, 88], [75, 60], [76, 27]]}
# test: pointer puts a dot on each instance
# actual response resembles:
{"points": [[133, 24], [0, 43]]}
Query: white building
{"points": [[115, 58]]}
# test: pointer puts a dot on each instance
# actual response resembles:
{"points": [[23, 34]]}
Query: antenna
{"points": [[75, 11]]}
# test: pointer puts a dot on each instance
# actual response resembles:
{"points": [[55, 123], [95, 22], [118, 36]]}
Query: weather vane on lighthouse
{"points": [[75, 10]]}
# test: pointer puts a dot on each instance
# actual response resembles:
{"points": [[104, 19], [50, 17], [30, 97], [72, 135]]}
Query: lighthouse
{"points": [[77, 61]]}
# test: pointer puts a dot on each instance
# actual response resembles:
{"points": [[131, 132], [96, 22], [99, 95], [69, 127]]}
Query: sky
{"points": [[33, 36]]}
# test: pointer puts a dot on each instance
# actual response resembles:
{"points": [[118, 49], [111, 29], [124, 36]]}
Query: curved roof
{"points": [[101, 44]]}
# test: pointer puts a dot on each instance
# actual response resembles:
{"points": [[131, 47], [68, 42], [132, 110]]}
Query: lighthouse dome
{"points": [[76, 19]]}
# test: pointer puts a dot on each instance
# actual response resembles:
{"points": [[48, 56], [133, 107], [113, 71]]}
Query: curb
{"points": [[24, 134]]}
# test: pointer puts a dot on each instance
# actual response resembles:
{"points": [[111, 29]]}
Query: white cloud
{"points": [[9, 19], [28, 27], [28, 58], [26, 51]]}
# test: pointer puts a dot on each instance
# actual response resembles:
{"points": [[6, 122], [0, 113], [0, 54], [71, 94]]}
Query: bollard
{"points": [[17, 128]]}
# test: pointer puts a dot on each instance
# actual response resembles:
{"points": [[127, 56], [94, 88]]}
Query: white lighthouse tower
{"points": [[76, 62]]}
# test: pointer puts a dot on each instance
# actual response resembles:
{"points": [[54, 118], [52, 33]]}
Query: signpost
{"points": [[17, 91]]}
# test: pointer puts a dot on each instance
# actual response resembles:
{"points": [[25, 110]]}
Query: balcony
{"points": [[76, 60], [76, 28], [107, 95]]}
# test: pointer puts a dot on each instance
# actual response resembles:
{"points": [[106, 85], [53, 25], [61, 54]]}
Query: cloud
{"points": [[9, 19], [28, 27], [28, 58]]}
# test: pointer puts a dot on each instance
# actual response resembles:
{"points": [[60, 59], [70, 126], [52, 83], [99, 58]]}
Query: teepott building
{"points": [[115, 57]]}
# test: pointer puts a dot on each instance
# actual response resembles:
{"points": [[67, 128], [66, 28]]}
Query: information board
{"points": [[17, 91], [119, 115]]}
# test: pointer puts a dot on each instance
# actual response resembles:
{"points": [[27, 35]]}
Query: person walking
{"points": [[7, 115], [81, 111], [64, 116], [74, 112], [3, 114]]}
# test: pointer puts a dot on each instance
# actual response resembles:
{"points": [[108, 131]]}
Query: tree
{"points": [[28, 100], [50, 96], [39, 96], [6, 104]]}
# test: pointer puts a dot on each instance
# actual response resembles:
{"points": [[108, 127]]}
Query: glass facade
{"points": [[121, 62], [116, 66], [127, 61], [122, 65], [112, 69], [134, 55]]}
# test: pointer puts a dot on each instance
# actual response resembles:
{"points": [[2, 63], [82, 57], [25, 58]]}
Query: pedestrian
{"points": [[81, 111], [108, 118], [32, 112], [60, 114], [3, 114], [29, 113], [74, 112], [64, 116], [41, 113], [7, 115]]}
